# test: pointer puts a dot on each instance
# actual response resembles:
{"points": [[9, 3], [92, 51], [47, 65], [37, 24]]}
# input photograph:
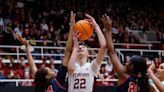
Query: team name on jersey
{"points": [[80, 74]]}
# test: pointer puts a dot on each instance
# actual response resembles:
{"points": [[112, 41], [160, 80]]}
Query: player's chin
{"points": [[81, 53], [53, 75]]}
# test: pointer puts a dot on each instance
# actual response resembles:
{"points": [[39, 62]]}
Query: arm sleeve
{"points": [[61, 75]]}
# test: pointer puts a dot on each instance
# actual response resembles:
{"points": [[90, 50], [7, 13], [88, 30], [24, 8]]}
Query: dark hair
{"points": [[41, 82], [140, 68]]}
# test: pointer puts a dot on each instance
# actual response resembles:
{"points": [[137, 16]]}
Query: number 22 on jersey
{"points": [[80, 83]]}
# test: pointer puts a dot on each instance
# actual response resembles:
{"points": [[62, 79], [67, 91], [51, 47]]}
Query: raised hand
{"points": [[152, 66], [91, 20], [72, 19], [22, 40], [107, 22], [76, 35]]}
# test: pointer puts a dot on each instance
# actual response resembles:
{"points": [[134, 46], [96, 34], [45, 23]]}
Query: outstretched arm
{"points": [[119, 68], [101, 39], [71, 64], [69, 44], [100, 56], [155, 80], [29, 56]]}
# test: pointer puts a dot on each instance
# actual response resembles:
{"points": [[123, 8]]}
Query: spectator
{"points": [[2, 75], [26, 83], [104, 74]]}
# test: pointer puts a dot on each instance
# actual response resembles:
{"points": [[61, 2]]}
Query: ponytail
{"points": [[140, 71], [143, 83]]}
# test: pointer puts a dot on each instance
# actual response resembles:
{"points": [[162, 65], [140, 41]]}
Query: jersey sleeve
{"points": [[95, 67], [61, 75]]}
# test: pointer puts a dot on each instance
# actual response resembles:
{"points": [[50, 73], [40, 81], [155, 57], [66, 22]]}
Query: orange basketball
{"points": [[85, 28]]}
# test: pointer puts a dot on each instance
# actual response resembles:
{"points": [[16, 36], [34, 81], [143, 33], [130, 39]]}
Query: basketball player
{"points": [[45, 79], [80, 72], [158, 80], [132, 77]]}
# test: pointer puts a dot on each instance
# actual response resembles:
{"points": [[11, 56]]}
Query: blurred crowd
{"points": [[21, 70], [48, 20]]}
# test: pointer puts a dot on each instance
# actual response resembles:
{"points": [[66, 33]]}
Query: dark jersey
{"points": [[58, 84], [130, 85]]}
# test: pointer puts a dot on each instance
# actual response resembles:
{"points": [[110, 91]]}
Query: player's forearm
{"points": [[66, 59], [71, 64], [102, 42], [69, 44], [119, 68], [101, 37], [31, 61], [156, 81], [113, 55], [110, 46], [68, 49], [109, 41]]}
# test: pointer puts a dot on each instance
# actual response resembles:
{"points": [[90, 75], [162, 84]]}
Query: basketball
{"points": [[85, 28]]}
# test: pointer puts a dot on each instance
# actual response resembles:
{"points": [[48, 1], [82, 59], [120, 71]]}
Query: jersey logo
{"points": [[132, 87], [49, 89]]}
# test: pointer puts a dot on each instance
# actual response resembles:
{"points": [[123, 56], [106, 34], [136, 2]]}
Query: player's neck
{"points": [[81, 61]]}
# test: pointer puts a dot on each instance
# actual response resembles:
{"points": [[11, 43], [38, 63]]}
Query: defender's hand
{"points": [[107, 22]]}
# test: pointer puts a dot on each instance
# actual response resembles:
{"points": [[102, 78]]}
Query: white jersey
{"points": [[82, 78]]}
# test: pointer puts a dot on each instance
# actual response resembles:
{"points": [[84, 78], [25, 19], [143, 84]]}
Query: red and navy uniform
{"points": [[130, 85], [58, 84]]}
